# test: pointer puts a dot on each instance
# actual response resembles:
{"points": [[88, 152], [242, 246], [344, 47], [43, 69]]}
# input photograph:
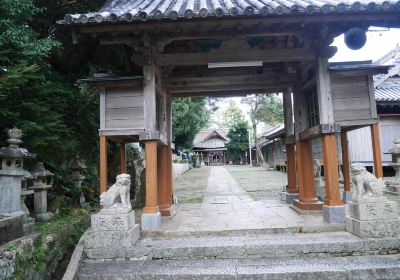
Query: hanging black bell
{"points": [[355, 38]]}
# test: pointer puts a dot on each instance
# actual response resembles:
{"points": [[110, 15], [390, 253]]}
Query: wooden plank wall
{"points": [[351, 98], [360, 145], [124, 107]]}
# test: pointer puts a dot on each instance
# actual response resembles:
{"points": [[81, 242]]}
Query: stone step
{"points": [[250, 246], [354, 267]]}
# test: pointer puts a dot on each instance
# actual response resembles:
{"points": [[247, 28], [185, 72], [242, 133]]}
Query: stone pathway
{"points": [[227, 207]]}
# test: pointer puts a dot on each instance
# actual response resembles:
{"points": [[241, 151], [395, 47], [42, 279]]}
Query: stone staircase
{"points": [[328, 255]]}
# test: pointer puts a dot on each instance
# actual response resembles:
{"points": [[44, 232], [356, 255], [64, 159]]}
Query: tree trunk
{"points": [[259, 156]]}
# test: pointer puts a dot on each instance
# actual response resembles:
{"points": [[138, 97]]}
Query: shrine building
{"points": [[194, 48]]}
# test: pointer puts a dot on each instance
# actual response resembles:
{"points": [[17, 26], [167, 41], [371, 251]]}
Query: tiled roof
{"points": [[211, 139], [389, 90], [133, 10], [273, 132]]}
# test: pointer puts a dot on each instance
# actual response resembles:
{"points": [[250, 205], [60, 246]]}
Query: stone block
{"points": [[112, 239], [11, 227], [151, 221], [373, 228], [108, 221], [334, 214], [347, 196], [10, 190], [290, 197], [373, 210]]}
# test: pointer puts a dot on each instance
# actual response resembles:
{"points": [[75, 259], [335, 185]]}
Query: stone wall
{"points": [[42, 256]]}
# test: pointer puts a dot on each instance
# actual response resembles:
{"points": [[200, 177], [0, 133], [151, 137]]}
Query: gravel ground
{"points": [[190, 187], [261, 184]]}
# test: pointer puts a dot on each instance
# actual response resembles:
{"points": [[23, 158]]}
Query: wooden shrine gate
{"points": [[194, 48]]}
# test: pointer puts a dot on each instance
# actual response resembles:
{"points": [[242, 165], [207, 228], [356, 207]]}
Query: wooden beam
{"points": [[225, 93], [164, 173], [376, 151], [318, 130], [123, 166], [149, 91], [103, 164], [234, 55], [288, 113], [324, 92], [345, 159], [269, 78], [151, 206], [331, 174]]}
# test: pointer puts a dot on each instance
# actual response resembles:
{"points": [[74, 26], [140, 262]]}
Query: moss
{"points": [[39, 257]]}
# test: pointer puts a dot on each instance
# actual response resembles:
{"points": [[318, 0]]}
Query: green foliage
{"points": [[232, 115], [264, 108], [239, 140], [189, 116], [41, 93]]}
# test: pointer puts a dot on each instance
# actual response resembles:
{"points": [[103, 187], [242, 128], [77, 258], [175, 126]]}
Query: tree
{"points": [[263, 108], [232, 115], [189, 116], [238, 140]]}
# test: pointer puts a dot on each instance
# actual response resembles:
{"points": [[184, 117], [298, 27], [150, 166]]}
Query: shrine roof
{"points": [[144, 10], [389, 90]]}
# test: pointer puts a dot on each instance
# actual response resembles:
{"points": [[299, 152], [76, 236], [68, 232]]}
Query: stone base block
{"points": [[308, 205], [11, 227], [112, 239], [289, 197], [334, 214], [373, 228], [151, 221], [168, 211], [28, 226], [366, 211], [106, 220], [42, 216], [347, 196]]}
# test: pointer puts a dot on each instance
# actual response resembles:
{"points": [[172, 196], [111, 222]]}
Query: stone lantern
{"points": [[41, 183], [28, 221], [78, 168], [11, 176], [394, 185]]}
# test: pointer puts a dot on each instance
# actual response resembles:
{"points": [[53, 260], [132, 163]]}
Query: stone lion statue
{"points": [[365, 184], [117, 196]]}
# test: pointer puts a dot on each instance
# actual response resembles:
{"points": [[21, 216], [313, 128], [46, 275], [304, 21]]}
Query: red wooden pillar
{"points": [[151, 206], [307, 196], [103, 164], [291, 168], [164, 180], [345, 159], [376, 150], [331, 174]]}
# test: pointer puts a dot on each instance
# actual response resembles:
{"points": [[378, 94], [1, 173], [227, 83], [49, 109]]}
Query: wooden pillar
{"points": [[376, 150], [307, 195], [291, 168], [151, 178], [331, 174], [345, 159], [123, 166], [164, 180], [103, 164]]}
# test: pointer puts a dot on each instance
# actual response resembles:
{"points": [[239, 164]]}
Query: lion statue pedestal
{"points": [[371, 214], [113, 229]]}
